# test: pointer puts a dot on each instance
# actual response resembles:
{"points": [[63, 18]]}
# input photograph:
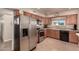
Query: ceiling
{"points": [[39, 11], [48, 11]]}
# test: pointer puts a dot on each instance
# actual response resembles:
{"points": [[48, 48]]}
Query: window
{"points": [[58, 21]]}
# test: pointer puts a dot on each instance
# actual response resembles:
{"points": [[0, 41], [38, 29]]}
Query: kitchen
{"points": [[45, 29]]}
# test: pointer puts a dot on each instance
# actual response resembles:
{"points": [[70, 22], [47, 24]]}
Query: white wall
{"points": [[1, 18], [8, 27]]}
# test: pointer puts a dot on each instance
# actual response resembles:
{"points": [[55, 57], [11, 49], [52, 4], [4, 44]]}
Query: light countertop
{"points": [[77, 34], [64, 29]]}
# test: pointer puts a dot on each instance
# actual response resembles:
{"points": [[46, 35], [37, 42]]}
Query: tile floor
{"points": [[6, 46], [50, 44]]}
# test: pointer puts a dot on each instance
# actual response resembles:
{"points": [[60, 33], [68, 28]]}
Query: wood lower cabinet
{"points": [[55, 34], [47, 32], [73, 37], [52, 33]]}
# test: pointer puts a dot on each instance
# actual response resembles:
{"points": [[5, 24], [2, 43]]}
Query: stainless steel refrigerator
{"points": [[28, 33]]}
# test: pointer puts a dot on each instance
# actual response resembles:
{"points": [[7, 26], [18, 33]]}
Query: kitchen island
{"points": [[67, 35]]}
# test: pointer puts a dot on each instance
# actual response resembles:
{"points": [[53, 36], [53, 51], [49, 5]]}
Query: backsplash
{"points": [[61, 27]]}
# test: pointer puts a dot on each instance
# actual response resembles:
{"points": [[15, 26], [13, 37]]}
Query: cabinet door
{"points": [[55, 34], [52, 33], [72, 19], [47, 32], [72, 37], [46, 21]]}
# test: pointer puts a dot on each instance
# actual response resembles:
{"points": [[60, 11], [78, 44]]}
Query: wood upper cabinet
{"points": [[71, 19], [46, 21], [73, 37]]}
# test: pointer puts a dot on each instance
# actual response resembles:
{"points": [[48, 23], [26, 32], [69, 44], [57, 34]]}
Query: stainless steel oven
{"points": [[40, 35]]}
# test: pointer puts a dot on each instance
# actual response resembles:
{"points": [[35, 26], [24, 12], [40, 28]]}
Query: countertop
{"points": [[64, 29]]}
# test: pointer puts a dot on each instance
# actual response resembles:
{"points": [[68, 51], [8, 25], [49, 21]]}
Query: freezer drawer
{"points": [[24, 44]]}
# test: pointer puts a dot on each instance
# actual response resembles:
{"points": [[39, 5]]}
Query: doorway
{"points": [[6, 30]]}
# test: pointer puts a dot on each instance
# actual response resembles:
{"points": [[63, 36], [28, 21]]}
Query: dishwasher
{"points": [[64, 35]]}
